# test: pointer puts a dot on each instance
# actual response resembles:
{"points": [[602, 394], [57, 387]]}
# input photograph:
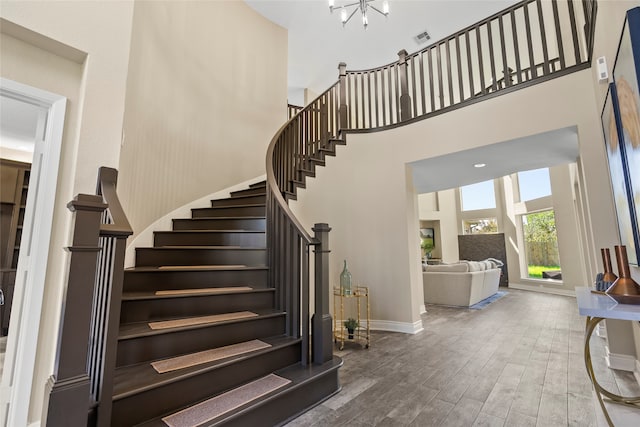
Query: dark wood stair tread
{"points": [[193, 268], [142, 329], [302, 377], [135, 379], [136, 296]]}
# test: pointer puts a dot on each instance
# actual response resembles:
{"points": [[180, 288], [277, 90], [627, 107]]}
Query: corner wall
{"points": [[79, 50], [361, 192]]}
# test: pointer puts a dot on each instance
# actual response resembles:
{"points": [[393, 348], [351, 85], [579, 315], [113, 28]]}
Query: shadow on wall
{"points": [[477, 247]]}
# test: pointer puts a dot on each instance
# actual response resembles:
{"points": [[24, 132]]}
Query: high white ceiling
{"points": [[318, 41]]}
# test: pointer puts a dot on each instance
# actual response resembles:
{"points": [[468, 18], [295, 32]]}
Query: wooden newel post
{"points": [[344, 108], [67, 395], [322, 325], [405, 98]]}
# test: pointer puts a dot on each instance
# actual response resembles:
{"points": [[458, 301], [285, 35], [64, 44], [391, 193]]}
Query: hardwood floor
{"points": [[518, 362]]}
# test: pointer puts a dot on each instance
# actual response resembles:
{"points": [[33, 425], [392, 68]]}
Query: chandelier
{"points": [[361, 5]]}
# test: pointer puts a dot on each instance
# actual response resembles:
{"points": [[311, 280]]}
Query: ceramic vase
{"points": [[624, 290], [609, 275]]}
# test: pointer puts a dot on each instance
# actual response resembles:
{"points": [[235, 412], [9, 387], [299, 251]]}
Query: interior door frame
{"points": [[20, 358]]}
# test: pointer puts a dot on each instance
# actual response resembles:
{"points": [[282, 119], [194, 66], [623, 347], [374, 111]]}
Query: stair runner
{"points": [[201, 341]]}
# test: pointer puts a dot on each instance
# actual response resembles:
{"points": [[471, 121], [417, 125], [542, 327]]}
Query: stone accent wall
{"points": [[476, 247]]}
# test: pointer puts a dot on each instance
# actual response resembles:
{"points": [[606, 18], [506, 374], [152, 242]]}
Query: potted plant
{"points": [[351, 324], [427, 247]]}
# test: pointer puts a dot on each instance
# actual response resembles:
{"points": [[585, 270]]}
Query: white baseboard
{"points": [[145, 237], [392, 326], [624, 362], [636, 371], [35, 424], [423, 309], [543, 289], [601, 329]]}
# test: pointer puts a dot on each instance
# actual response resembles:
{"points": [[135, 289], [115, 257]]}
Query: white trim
{"points": [[27, 304], [636, 371], [423, 309], [543, 289], [145, 237], [393, 326], [624, 362], [601, 329]]}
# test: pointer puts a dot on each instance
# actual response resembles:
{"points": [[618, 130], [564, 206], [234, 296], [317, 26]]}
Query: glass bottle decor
{"points": [[345, 280], [624, 290]]}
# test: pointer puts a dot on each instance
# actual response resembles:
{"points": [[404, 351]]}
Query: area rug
{"points": [[485, 302]]}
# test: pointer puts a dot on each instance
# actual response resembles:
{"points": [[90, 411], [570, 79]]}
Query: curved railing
{"points": [[525, 44]]}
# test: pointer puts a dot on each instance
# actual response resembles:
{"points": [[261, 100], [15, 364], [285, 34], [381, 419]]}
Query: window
{"points": [[541, 245], [480, 226], [478, 196], [534, 184]]}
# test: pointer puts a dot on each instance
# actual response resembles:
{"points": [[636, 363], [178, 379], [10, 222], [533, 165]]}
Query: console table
{"points": [[597, 307]]}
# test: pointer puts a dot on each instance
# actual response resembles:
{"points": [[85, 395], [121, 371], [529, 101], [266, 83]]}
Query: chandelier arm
{"points": [[350, 16], [346, 5], [378, 10]]}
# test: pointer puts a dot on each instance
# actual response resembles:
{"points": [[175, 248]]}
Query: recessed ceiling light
{"points": [[479, 165]]}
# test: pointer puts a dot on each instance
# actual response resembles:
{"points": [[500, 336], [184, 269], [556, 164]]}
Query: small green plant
{"points": [[351, 324]]}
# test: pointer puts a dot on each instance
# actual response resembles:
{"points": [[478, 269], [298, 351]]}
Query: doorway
{"points": [[35, 215]]}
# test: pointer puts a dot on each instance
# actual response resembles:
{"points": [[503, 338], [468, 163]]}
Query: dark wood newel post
{"points": [[344, 108], [322, 326], [405, 98], [67, 395]]}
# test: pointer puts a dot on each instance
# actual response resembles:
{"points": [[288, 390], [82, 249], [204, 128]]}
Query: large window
{"points": [[534, 184], [478, 196], [541, 245]]}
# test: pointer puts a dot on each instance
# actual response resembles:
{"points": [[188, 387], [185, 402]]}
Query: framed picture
{"points": [[611, 124], [626, 76], [429, 235]]}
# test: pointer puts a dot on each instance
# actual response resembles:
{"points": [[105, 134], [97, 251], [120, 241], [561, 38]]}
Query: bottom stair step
{"points": [[217, 406], [308, 386]]}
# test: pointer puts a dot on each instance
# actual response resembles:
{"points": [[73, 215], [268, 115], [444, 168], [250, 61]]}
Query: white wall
{"points": [[79, 50], [361, 192], [206, 92]]}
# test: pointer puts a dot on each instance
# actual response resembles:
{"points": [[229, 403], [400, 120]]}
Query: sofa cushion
{"points": [[475, 265], [447, 268]]}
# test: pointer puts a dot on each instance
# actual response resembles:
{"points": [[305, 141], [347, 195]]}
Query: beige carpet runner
{"points": [[226, 402], [180, 362], [204, 290], [190, 321]]}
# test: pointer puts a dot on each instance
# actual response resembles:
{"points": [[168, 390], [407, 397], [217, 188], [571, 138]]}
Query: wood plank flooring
{"points": [[518, 362]]}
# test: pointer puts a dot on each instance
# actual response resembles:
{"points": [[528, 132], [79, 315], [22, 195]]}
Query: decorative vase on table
{"points": [[624, 290], [608, 276], [345, 280]]}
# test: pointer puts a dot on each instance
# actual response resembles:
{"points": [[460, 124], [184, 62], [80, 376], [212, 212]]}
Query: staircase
{"points": [[203, 288]]}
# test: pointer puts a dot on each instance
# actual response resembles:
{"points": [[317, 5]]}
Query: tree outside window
{"points": [[541, 243]]}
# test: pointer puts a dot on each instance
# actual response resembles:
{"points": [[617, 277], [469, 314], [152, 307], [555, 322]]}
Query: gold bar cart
{"points": [[354, 305]]}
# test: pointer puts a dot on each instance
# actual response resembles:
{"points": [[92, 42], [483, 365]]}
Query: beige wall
{"points": [[367, 214], [79, 50], [206, 92]]}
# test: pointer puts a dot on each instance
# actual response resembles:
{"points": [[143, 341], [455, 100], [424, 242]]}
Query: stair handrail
{"points": [[80, 390]]}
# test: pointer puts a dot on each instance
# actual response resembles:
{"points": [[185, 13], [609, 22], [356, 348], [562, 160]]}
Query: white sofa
{"points": [[461, 284]]}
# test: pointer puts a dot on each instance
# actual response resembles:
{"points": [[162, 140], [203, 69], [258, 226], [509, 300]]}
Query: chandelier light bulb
{"points": [[343, 15], [332, 3], [385, 7], [365, 20]]}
